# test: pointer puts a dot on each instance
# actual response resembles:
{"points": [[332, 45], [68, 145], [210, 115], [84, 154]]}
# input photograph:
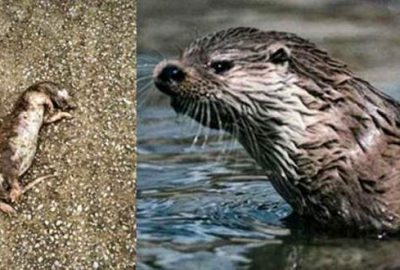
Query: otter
{"points": [[328, 140], [20, 132]]}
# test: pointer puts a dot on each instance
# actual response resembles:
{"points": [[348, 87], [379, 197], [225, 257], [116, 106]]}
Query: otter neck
{"points": [[275, 154], [273, 137], [271, 131]]}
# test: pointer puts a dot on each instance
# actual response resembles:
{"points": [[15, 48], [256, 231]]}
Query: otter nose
{"points": [[171, 73]]}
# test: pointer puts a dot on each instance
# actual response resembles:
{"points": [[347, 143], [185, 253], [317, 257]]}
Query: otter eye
{"points": [[221, 67]]}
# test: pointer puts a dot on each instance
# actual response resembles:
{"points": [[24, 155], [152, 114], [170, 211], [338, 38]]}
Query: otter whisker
{"points": [[199, 130], [185, 107], [143, 78], [193, 110], [144, 83], [144, 94], [220, 131], [147, 68], [207, 123], [232, 128], [188, 110], [196, 112]]}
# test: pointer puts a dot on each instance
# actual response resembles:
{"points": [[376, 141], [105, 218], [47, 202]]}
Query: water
{"points": [[197, 195], [208, 205]]}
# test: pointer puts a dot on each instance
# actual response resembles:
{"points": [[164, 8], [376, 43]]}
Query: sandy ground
{"points": [[84, 218]]}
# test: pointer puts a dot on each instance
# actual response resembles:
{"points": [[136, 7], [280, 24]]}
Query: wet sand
{"points": [[84, 218]]}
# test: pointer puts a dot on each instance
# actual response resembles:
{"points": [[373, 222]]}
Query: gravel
{"points": [[83, 218]]}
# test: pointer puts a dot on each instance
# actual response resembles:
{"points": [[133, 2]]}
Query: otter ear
{"points": [[279, 55]]}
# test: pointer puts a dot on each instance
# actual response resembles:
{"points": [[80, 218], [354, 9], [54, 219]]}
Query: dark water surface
{"points": [[202, 201]]}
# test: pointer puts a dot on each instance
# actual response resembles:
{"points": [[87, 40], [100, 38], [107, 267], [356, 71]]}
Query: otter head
{"points": [[59, 95], [261, 86], [231, 75]]}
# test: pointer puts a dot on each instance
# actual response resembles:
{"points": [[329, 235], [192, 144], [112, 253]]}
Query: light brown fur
{"points": [[20, 132]]}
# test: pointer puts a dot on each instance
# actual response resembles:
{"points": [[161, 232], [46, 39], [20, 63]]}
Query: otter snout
{"points": [[167, 75], [171, 73]]}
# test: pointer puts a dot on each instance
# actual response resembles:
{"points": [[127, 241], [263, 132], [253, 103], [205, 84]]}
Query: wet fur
{"points": [[330, 140]]}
